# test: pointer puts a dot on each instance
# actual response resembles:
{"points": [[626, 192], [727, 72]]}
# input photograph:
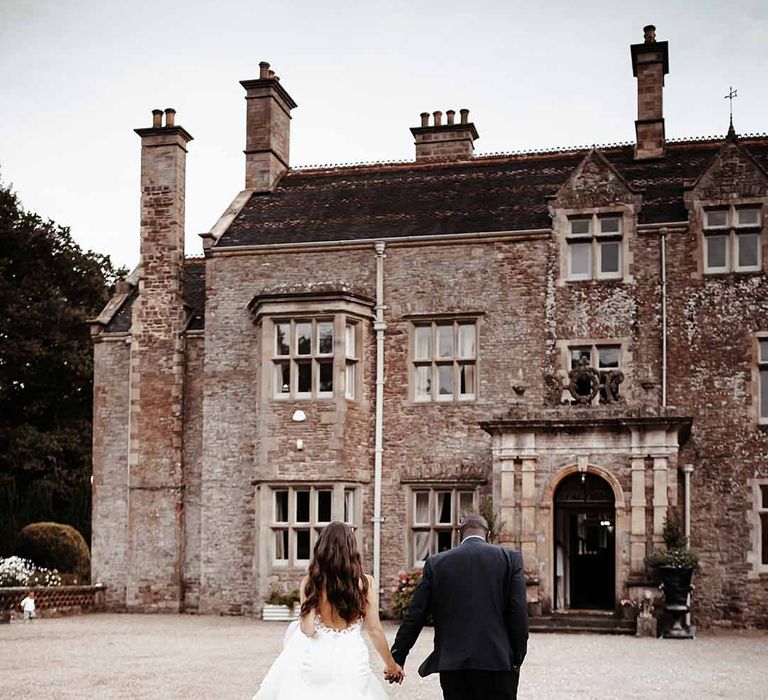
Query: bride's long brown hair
{"points": [[337, 571]]}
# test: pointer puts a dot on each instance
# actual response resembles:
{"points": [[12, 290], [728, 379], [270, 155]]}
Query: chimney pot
{"points": [[271, 74], [170, 116], [444, 142], [263, 70], [650, 34], [157, 118]]}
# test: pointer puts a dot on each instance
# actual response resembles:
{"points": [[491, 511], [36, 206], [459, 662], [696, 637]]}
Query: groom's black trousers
{"points": [[479, 685]]}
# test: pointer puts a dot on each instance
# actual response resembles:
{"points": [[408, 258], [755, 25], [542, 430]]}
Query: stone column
{"points": [[660, 496], [528, 502], [507, 468], [638, 503]]}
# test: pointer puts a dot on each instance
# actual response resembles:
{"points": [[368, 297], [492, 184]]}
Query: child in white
{"points": [[28, 606]]}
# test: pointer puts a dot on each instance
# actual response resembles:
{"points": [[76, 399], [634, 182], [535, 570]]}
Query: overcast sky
{"points": [[79, 75]]}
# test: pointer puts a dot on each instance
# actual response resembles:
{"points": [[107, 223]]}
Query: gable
{"points": [[732, 173], [594, 183]]}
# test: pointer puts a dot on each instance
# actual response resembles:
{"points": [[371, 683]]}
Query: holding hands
{"points": [[393, 673]]}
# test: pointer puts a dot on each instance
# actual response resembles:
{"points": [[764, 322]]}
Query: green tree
{"points": [[49, 287]]}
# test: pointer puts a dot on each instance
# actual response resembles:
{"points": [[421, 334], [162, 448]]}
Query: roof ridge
{"points": [[521, 152]]}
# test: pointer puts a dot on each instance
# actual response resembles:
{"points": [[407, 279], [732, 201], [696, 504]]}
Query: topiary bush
{"points": [[56, 546]]}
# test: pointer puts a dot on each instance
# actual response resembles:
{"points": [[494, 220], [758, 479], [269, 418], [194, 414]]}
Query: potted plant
{"points": [[675, 564], [281, 606]]}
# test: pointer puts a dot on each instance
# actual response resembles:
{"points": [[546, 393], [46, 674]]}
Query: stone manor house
{"points": [[578, 337]]}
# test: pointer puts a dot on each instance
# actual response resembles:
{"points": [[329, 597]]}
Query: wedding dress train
{"points": [[332, 665]]}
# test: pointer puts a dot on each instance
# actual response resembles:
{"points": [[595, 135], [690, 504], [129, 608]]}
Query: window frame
{"points": [[596, 237], [294, 358], [338, 360], [434, 361], [734, 233], [758, 556], [433, 527], [314, 525], [761, 369], [352, 361]]}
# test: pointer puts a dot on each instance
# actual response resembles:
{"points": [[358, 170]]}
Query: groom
{"points": [[476, 596]]}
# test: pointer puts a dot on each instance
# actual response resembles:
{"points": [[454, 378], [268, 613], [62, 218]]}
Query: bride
{"points": [[324, 654]]}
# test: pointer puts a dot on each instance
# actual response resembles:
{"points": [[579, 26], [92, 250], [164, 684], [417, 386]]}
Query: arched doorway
{"points": [[585, 543]]}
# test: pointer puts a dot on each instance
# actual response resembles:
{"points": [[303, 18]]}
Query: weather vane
{"points": [[731, 94]]}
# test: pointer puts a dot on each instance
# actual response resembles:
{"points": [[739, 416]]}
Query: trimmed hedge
{"points": [[56, 546]]}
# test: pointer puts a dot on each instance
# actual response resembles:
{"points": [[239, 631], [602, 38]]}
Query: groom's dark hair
{"points": [[474, 522]]}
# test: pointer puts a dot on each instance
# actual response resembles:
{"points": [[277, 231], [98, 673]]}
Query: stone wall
{"points": [[247, 437], [193, 448], [712, 358], [109, 541]]}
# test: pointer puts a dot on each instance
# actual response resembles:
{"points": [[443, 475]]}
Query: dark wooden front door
{"points": [[586, 538]]}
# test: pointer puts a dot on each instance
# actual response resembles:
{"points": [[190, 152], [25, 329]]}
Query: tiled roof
{"points": [[194, 292], [489, 193], [194, 298]]}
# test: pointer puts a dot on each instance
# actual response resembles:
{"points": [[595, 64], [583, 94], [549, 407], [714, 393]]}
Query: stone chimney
{"points": [[155, 483], [267, 130], [650, 63], [449, 141]]}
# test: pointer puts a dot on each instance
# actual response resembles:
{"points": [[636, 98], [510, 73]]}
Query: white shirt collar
{"points": [[469, 537]]}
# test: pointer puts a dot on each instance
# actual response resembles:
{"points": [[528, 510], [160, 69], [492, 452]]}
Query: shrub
{"points": [[403, 591], [55, 546], [277, 597], [15, 571], [675, 552]]}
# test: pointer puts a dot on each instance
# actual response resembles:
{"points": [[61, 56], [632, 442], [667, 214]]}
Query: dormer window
{"points": [[594, 247], [732, 239]]}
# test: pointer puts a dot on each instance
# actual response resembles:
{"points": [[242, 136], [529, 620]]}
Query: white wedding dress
{"points": [[332, 665]]}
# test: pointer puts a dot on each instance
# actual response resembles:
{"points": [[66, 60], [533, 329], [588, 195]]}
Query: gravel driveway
{"points": [[142, 657]]}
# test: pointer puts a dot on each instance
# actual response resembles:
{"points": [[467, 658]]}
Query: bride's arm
{"points": [[307, 624], [376, 633]]}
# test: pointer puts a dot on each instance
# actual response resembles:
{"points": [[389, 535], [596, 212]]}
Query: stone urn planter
{"points": [[675, 565], [676, 587]]}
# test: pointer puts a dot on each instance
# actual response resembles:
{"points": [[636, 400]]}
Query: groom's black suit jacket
{"points": [[476, 596]]}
